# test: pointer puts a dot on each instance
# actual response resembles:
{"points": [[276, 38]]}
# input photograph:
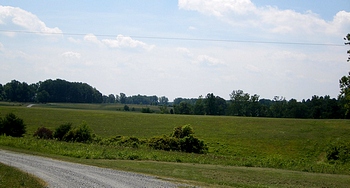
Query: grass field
{"points": [[288, 144], [12, 177]]}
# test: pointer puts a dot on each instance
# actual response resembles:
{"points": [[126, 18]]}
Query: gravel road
{"points": [[65, 174]]}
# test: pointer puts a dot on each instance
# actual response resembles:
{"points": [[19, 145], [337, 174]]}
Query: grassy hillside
{"points": [[293, 144]]}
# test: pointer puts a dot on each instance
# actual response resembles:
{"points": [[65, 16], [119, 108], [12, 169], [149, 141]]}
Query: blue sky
{"points": [[134, 46]]}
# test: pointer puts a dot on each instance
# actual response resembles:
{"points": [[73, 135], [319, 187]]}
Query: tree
{"points": [[163, 100], [210, 104], [183, 108], [345, 93], [12, 125], [345, 84], [347, 39], [122, 98], [198, 108], [239, 103]]}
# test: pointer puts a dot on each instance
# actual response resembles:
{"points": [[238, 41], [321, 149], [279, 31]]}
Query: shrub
{"points": [[12, 125], [182, 131], [43, 133], [146, 110], [181, 139], [191, 144], [338, 151], [83, 133], [164, 143], [126, 108], [62, 130]]}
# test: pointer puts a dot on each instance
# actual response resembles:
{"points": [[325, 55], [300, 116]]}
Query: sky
{"points": [[184, 48]]}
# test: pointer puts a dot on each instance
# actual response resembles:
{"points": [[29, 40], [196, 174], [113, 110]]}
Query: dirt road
{"points": [[65, 174]]}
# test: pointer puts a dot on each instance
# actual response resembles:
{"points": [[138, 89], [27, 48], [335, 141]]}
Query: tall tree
{"points": [[345, 85]]}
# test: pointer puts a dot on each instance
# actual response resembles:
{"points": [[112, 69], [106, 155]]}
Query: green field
{"points": [[235, 143], [12, 177]]}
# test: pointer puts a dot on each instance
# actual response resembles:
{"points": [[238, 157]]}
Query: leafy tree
{"points": [[198, 108], [239, 103], [278, 107], [183, 108], [347, 42], [122, 98], [345, 93], [163, 100], [20, 92], [12, 125], [2, 93]]}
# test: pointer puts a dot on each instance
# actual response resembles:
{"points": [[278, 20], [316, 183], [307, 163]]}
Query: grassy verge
{"points": [[213, 175], [12, 177]]}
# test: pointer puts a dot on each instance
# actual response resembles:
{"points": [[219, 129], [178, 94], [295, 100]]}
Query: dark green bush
{"points": [[164, 143], [83, 133], [146, 110], [62, 130], [12, 125], [190, 144], [182, 131], [126, 108], [181, 139], [43, 133], [338, 151]]}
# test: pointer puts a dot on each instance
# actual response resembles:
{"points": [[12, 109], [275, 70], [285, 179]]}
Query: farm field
{"points": [[237, 145]]}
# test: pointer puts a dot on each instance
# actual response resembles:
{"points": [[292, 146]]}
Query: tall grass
{"points": [[12, 177]]}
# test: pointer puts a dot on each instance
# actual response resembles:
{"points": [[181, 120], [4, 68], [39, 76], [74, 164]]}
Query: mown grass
{"points": [[292, 144], [12, 177]]}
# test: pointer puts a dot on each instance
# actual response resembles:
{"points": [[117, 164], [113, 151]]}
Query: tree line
{"points": [[50, 91], [240, 103], [244, 104]]}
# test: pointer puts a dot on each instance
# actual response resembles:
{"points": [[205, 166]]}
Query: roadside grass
{"points": [[289, 144], [12, 177]]}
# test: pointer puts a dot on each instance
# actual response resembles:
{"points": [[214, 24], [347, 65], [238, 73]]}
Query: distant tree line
{"points": [[135, 99], [240, 103], [50, 91], [244, 104]]}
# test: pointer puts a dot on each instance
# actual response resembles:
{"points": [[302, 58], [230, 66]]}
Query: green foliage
{"points": [[83, 133], [182, 131], [338, 151], [62, 130], [190, 144], [146, 110], [126, 108], [12, 125], [43, 133], [181, 139], [164, 143]]}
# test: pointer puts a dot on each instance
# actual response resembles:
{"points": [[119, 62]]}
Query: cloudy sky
{"points": [[184, 48]]}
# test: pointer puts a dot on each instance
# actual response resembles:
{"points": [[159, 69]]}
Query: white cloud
{"points": [[71, 54], [208, 60], [1, 47], [126, 42], [200, 59], [245, 13], [73, 40], [25, 20], [93, 39]]}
